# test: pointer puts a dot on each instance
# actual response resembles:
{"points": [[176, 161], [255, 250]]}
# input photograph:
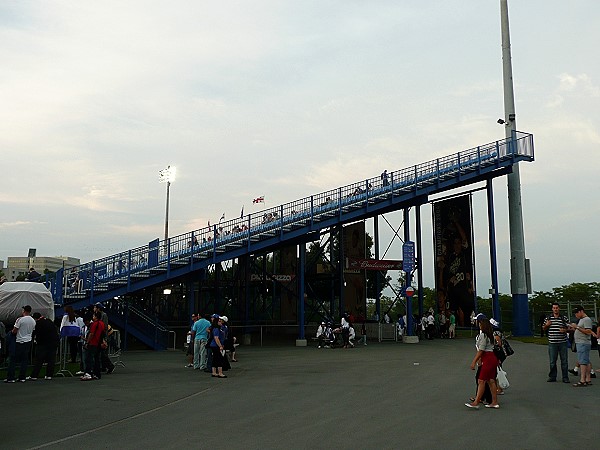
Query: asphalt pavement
{"points": [[380, 396]]}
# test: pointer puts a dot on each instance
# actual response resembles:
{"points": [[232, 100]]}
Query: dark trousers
{"points": [[44, 354], [92, 365], [72, 341], [22, 352], [105, 362], [209, 358]]}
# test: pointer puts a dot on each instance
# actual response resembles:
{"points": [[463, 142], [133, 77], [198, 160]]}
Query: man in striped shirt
{"points": [[556, 329]]}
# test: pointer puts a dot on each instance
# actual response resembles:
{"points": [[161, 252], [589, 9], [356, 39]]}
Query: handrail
{"points": [[205, 242]]}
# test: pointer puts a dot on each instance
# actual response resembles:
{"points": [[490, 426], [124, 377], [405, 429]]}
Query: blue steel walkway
{"points": [[294, 222]]}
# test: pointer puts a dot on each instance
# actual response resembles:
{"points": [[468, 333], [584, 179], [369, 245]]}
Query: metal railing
{"points": [[203, 243]]}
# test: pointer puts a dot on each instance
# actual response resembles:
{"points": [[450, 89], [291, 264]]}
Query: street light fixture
{"points": [[167, 176]]}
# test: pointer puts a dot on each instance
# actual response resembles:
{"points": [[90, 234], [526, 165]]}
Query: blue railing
{"points": [[206, 242]]}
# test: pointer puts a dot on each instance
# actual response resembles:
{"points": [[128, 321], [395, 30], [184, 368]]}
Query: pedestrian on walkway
{"points": [[556, 326], [46, 343], [583, 341], [23, 331], [489, 364]]}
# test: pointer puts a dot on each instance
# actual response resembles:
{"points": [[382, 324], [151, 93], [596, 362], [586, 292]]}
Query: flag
{"points": [[209, 224], [222, 218], [242, 213], [260, 199]]}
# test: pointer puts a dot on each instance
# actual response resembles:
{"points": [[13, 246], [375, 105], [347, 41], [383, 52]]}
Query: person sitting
{"points": [[321, 334], [33, 275], [329, 336], [351, 336]]}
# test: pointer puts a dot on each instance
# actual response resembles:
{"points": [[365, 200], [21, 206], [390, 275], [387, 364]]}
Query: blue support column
{"points": [[190, 297], [378, 274], [301, 267], [419, 258], [492, 243], [342, 283], [409, 312]]}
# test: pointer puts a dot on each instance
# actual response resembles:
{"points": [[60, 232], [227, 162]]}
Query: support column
{"points": [[419, 258], [341, 265], [410, 338], [492, 244], [378, 273], [301, 341], [518, 280]]}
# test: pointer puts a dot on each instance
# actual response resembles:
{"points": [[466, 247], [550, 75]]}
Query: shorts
{"points": [[583, 353]]}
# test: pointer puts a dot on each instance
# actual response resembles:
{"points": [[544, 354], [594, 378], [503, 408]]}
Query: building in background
{"points": [[19, 265]]}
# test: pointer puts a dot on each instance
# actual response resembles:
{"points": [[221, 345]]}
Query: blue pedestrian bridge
{"points": [[160, 261]]}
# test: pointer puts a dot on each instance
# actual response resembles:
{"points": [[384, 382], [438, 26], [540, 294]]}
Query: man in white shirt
{"points": [[23, 330]]}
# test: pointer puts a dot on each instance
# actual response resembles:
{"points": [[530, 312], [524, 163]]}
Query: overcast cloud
{"points": [[286, 99]]}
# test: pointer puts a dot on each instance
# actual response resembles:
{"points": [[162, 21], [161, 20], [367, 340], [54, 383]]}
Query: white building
{"points": [[20, 265]]}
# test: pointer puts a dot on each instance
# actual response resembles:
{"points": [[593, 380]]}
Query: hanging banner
{"points": [[353, 264], [275, 277], [289, 286], [454, 257], [355, 281]]}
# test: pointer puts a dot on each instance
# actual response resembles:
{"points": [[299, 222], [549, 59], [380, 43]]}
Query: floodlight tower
{"points": [[518, 265], [167, 176]]}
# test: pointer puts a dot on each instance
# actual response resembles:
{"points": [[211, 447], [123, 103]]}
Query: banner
{"points": [[354, 264], [355, 301], [454, 257], [289, 286]]}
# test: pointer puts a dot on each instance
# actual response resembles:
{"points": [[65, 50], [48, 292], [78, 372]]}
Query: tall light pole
{"points": [[167, 176], [518, 282]]}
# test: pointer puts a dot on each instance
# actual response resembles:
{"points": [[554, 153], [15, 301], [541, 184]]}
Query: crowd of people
{"points": [[329, 336], [211, 345], [492, 350], [86, 334]]}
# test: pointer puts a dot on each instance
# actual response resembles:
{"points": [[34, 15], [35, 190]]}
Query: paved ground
{"points": [[380, 396]]}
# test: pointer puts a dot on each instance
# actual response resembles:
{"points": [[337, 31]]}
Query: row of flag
{"points": [[260, 199]]}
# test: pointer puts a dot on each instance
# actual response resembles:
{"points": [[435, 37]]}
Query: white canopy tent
{"points": [[15, 295]]}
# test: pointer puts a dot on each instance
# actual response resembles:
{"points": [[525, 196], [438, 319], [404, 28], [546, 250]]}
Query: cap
{"points": [[322, 323], [577, 309], [215, 316], [495, 323], [99, 305], [480, 316], [224, 318]]}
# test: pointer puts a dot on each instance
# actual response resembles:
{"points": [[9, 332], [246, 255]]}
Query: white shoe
{"points": [[47, 378], [80, 373], [86, 377]]}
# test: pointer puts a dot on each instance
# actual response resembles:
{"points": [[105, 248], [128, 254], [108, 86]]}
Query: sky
{"points": [[286, 99]]}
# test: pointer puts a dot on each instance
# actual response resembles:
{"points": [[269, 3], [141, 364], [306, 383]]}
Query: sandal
{"points": [[588, 383], [580, 384]]}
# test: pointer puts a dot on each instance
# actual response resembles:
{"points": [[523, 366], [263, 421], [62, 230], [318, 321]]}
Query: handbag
{"points": [[499, 352], [502, 380], [507, 348]]}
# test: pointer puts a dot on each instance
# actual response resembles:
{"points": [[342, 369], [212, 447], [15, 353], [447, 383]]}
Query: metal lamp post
{"points": [[167, 176]]}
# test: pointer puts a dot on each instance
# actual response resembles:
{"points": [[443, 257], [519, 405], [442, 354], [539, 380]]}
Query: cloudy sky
{"points": [[287, 99]]}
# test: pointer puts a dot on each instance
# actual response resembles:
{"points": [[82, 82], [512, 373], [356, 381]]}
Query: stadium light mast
{"points": [[518, 265], [167, 176]]}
